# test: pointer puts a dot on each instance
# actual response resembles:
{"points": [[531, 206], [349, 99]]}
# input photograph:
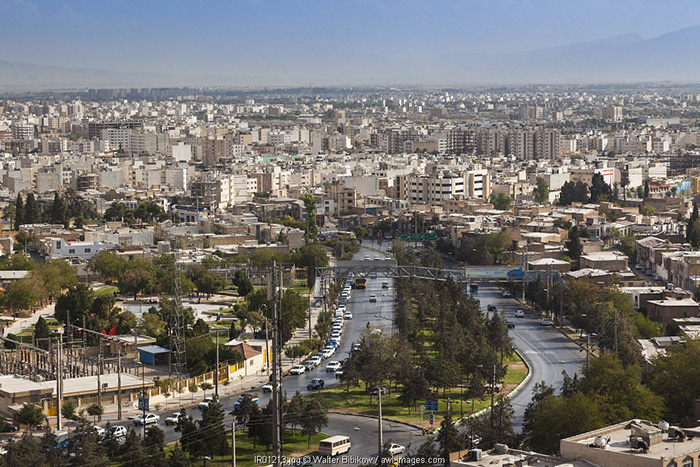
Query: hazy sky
{"points": [[301, 40]]}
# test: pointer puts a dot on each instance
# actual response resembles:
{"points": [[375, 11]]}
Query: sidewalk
{"points": [[21, 323]]}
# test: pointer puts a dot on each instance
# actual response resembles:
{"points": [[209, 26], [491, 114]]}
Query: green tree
{"points": [[541, 192], [22, 294], [360, 233], [191, 437], [212, 424], [448, 437], [676, 378], [42, 333], [573, 244], [178, 458], [501, 201], [628, 246], [31, 415], [77, 301], [647, 210], [96, 410], [313, 419], [19, 212], [646, 188], [600, 190], [32, 213], [573, 192], [310, 206], [108, 264], [68, 410], [691, 223], [58, 210]]}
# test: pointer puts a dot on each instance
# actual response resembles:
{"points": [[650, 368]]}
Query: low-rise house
{"points": [[666, 310], [607, 260]]}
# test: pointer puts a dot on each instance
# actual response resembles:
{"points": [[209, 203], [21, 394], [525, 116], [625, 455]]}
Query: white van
{"points": [[334, 445]]}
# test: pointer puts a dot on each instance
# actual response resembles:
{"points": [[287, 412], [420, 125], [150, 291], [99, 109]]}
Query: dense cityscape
{"points": [[361, 233]]}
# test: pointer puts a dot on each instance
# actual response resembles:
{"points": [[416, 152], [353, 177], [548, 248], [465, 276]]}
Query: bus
{"points": [[334, 445], [361, 283]]}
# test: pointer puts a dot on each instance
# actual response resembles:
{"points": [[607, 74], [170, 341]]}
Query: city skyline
{"points": [[265, 43]]}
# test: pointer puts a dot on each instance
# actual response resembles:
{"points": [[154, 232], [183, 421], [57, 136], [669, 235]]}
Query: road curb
{"points": [[393, 420], [525, 380]]}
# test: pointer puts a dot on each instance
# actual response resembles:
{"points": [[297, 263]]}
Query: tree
{"points": [[19, 212], [178, 458], [541, 192], [206, 387], [212, 424], [25, 451], [448, 437], [96, 410], [647, 210], [573, 244], [539, 393], [245, 287], [676, 377], [31, 210], [22, 294], [691, 223], [191, 437], [501, 201], [360, 232], [108, 264], [573, 192], [628, 245], [600, 190], [646, 188], [42, 333], [9, 214], [76, 302], [58, 210], [31, 415], [310, 206], [313, 419], [68, 410]]}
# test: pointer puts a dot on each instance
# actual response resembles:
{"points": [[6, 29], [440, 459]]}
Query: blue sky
{"points": [[302, 41]]}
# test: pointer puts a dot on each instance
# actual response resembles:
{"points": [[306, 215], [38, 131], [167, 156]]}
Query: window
{"points": [[87, 250], [71, 250], [688, 462]]}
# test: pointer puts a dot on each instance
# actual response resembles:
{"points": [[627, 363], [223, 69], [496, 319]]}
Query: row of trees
{"points": [[580, 192], [43, 284], [63, 209]]}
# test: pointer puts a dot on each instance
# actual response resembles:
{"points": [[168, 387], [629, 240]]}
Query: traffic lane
{"points": [[547, 351], [363, 434]]}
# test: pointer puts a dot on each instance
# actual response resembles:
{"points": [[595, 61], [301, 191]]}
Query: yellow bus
{"points": [[334, 445], [361, 283]]}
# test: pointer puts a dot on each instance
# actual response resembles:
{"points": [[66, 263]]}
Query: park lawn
{"points": [[106, 290], [358, 401], [245, 453], [300, 287]]}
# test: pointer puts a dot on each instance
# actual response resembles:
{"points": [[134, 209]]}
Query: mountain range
{"points": [[620, 59]]}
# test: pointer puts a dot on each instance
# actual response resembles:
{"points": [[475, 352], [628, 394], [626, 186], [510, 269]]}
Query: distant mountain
{"points": [[627, 58]]}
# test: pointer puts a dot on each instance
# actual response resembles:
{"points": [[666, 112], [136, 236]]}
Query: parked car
{"points": [[507, 294], [545, 322], [8, 428], [316, 359], [332, 343], [395, 449], [297, 370], [372, 298], [519, 313], [347, 315], [511, 324], [173, 419], [335, 335], [204, 403], [328, 352], [253, 397], [316, 383], [309, 365], [332, 367], [99, 431], [638, 266]]}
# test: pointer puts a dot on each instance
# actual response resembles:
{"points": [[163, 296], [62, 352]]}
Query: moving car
{"points": [[297, 370], [507, 294], [347, 315], [545, 322], [332, 366], [395, 449], [147, 419], [519, 313], [117, 431], [368, 258], [173, 419], [385, 285], [372, 275], [511, 324], [204, 403], [250, 396], [316, 383], [491, 308], [334, 445], [372, 298]]}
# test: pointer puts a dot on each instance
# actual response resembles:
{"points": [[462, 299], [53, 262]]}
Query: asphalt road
{"points": [[547, 351]]}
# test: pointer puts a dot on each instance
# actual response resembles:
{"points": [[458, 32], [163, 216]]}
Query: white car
{"points": [[204, 404], [507, 295], [347, 315], [268, 387], [328, 352], [147, 419], [173, 419], [368, 258], [336, 335], [376, 257], [395, 449], [99, 431], [337, 327], [117, 431], [519, 313], [316, 359], [297, 370], [372, 298], [332, 367]]}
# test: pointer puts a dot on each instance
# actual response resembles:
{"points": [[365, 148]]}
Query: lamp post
{"points": [[143, 388]]}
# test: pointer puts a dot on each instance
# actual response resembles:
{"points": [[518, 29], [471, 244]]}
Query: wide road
{"points": [[547, 351]]}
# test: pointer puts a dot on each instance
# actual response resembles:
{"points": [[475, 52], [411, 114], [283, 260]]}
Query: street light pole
{"points": [[381, 435]]}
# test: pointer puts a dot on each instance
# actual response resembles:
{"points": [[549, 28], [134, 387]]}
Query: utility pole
{"points": [[276, 380], [381, 434], [233, 443], [119, 381], [216, 372], [493, 391], [59, 384], [99, 381]]}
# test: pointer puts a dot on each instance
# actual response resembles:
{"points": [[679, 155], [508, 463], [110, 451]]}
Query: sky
{"points": [[245, 42]]}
